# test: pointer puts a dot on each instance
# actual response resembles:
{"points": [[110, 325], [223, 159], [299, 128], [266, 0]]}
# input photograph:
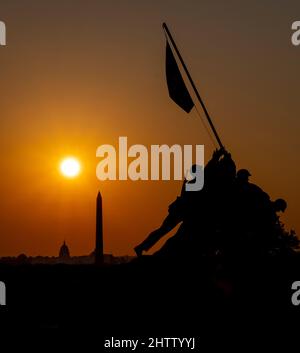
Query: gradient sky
{"points": [[79, 74]]}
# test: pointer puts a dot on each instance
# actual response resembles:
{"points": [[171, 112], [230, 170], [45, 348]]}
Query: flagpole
{"points": [[165, 27]]}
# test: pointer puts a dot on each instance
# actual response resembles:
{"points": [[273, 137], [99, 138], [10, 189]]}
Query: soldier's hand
{"points": [[223, 151], [218, 153], [215, 154]]}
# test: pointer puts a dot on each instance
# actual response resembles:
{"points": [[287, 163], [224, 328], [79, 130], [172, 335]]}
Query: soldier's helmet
{"points": [[280, 205], [243, 174]]}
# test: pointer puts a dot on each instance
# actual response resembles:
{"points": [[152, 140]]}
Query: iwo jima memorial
{"points": [[230, 259]]}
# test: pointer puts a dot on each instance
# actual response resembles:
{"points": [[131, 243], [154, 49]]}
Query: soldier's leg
{"points": [[168, 224]]}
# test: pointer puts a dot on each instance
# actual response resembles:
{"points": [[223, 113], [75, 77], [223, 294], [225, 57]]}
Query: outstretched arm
{"points": [[168, 224]]}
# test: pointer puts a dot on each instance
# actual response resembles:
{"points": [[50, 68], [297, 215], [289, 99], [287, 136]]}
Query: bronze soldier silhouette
{"points": [[228, 214], [229, 209], [256, 222], [187, 208]]}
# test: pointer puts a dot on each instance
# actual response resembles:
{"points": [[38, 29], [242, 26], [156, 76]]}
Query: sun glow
{"points": [[70, 167]]}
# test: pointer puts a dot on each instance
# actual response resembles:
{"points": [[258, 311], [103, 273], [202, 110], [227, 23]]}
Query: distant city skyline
{"points": [[64, 256]]}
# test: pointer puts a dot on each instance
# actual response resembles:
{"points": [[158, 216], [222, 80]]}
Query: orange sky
{"points": [[79, 74]]}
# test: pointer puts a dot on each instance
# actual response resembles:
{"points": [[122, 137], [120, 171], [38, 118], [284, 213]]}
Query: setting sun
{"points": [[70, 167]]}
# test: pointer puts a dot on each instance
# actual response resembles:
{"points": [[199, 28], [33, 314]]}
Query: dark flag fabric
{"points": [[176, 86]]}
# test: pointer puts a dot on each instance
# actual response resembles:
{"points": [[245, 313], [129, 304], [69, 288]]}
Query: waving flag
{"points": [[176, 86]]}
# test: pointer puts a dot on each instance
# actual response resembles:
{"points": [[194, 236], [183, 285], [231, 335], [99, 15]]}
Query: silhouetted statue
{"points": [[194, 209], [228, 216], [251, 200], [279, 205], [174, 217], [176, 214]]}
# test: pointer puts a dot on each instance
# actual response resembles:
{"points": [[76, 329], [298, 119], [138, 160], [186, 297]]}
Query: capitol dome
{"points": [[64, 250]]}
